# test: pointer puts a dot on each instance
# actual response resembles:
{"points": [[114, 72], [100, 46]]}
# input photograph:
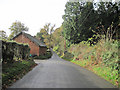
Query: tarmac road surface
{"points": [[58, 73]]}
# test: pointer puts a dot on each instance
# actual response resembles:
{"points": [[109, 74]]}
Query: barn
{"points": [[36, 46]]}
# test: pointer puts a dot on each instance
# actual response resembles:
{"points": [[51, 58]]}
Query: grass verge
{"points": [[102, 71], [14, 71]]}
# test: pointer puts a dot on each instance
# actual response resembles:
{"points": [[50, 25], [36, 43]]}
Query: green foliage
{"points": [[91, 35], [67, 56], [78, 20], [82, 63], [71, 21], [107, 73], [108, 14], [46, 56], [81, 18], [39, 35], [56, 48], [102, 58], [45, 34], [13, 72], [57, 36], [74, 48], [3, 35], [16, 28], [59, 44], [12, 51], [110, 54]]}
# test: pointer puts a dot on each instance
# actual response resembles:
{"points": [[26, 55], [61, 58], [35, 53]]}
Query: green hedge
{"points": [[46, 56], [15, 71], [13, 51]]}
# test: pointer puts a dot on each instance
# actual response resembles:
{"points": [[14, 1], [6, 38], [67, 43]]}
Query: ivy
{"points": [[12, 51]]}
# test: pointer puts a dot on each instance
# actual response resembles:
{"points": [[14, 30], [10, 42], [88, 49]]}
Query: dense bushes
{"points": [[14, 71], [101, 55], [102, 58], [46, 56], [81, 18], [13, 51], [93, 43], [15, 62], [104, 52]]}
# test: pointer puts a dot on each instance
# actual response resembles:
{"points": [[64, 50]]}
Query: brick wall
{"points": [[42, 50], [34, 49]]}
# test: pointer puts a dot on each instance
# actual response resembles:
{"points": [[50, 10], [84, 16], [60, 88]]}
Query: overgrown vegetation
{"points": [[3, 35], [46, 56], [101, 58], [15, 71], [15, 61], [89, 37], [45, 34], [16, 28], [81, 18], [12, 51]]}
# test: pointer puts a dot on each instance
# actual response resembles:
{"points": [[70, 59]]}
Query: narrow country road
{"points": [[58, 73]]}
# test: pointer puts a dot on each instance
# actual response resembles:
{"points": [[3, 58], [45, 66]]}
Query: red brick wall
{"points": [[34, 49], [43, 50]]}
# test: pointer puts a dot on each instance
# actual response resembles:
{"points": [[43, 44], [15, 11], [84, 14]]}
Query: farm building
{"points": [[36, 46]]}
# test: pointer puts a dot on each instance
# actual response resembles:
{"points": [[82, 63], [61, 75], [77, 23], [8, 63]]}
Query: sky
{"points": [[33, 13]]}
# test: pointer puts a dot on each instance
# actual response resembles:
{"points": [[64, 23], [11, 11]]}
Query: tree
{"points": [[78, 19], [45, 34], [58, 41], [88, 20], [71, 21], [3, 35], [41, 35], [16, 28], [81, 19], [45, 37], [108, 14], [57, 36], [49, 29]]}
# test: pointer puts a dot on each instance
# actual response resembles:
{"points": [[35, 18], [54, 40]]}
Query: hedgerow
{"points": [[15, 61], [12, 51], [104, 55]]}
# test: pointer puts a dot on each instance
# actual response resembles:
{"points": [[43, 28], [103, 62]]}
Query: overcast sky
{"points": [[33, 13]]}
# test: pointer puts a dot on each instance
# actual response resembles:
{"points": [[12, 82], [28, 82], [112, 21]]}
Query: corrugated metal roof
{"points": [[33, 39]]}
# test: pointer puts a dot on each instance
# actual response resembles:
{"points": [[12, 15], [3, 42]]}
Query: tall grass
{"points": [[101, 58]]}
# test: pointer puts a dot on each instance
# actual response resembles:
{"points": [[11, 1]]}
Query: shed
{"points": [[36, 46]]}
